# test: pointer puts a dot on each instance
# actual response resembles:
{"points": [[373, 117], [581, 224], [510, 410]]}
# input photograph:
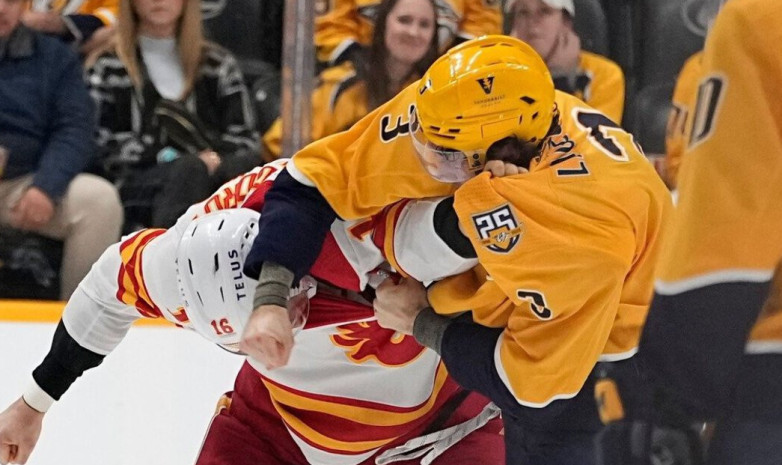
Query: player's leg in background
{"points": [[752, 432]]}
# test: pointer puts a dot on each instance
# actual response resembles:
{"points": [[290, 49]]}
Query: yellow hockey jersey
{"points": [[105, 10], [680, 118], [373, 164], [605, 89], [567, 256], [340, 23], [728, 222], [339, 101]]}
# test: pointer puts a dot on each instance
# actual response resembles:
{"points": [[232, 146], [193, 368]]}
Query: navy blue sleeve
{"points": [[468, 352], [69, 146], [693, 345], [294, 222], [82, 27]]}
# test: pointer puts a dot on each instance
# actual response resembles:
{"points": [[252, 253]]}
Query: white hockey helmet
{"points": [[217, 295]]}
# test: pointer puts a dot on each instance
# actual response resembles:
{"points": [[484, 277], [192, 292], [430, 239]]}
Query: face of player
{"points": [[158, 18], [538, 24], [410, 28], [10, 15]]}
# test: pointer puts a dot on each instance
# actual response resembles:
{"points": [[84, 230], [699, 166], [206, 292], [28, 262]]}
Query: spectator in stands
{"points": [[46, 125], [344, 27], [404, 44], [88, 23], [175, 116], [680, 118], [547, 25]]}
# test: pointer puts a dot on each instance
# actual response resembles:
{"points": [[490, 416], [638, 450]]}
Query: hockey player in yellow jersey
{"points": [[344, 26], [567, 252], [486, 103], [680, 118], [711, 352]]}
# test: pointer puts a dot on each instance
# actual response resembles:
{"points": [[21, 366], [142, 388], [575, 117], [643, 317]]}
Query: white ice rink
{"points": [[148, 403]]}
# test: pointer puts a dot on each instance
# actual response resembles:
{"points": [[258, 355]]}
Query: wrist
{"points": [[274, 284], [429, 328], [36, 398]]}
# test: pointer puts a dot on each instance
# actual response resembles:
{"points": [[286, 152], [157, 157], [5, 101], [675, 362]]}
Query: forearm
{"points": [[293, 225], [468, 351], [93, 324], [64, 363], [274, 284], [81, 27]]}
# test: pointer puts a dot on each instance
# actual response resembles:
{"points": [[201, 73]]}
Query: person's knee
{"points": [[93, 196], [189, 166]]}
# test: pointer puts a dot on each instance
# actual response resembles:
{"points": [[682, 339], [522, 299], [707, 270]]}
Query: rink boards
{"points": [[149, 402]]}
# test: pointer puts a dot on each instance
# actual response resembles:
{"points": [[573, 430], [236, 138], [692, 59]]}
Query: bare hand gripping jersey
{"points": [[334, 394]]}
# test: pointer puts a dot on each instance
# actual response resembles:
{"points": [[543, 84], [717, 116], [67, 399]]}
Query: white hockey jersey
{"points": [[350, 387]]}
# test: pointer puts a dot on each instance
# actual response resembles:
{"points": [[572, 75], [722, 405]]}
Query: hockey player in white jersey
{"points": [[351, 393]]}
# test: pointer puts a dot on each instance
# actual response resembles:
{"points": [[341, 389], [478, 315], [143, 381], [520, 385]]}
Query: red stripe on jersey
{"points": [[326, 310], [332, 266], [256, 199]]}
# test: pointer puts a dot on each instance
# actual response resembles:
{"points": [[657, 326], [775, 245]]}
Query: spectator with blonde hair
{"points": [[175, 116]]}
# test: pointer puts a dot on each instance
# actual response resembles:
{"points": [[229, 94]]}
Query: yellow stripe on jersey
{"points": [[388, 239], [324, 441], [363, 415]]}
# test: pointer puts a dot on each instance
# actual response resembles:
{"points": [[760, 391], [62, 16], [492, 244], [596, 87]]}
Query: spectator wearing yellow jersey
{"points": [[404, 44], [547, 25], [88, 23], [344, 27]]}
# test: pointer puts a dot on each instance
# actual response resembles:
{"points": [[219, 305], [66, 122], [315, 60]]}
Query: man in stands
{"points": [[46, 126]]}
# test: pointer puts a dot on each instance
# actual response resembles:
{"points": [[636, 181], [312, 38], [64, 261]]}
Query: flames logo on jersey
{"points": [[498, 230], [367, 340], [487, 84]]}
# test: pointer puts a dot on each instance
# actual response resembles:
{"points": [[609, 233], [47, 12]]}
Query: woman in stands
{"points": [[547, 25], [175, 117], [403, 46]]}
